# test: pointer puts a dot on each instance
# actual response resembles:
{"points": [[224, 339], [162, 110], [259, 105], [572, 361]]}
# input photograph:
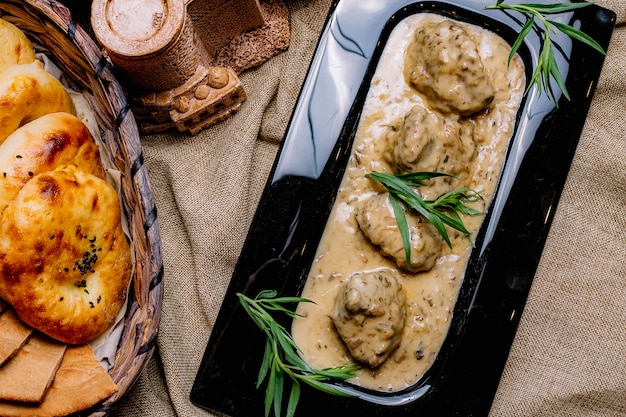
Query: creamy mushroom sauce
{"points": [[344, 250]]}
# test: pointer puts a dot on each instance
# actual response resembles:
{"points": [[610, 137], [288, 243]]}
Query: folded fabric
{"points": [[568, 356]]}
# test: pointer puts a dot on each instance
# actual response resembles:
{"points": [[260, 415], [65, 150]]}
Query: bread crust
{"points": [[79, 383], [65, 263], [42, 145], [28, 91], [17, 49]]}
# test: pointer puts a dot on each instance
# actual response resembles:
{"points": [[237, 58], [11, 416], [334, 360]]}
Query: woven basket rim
{"points": [[51, 24]]}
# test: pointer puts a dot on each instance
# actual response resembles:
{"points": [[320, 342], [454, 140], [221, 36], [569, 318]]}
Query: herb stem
{"points": [[281, 357], [547, 67]]}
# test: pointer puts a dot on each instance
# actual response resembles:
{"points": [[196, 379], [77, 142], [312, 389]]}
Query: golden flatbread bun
{"points": [[42, 145], [17, 49], [64, 260], [80, 383], [28, 91]]}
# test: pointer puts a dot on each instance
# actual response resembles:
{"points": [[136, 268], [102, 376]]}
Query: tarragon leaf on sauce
{"points": [[441, 212]]}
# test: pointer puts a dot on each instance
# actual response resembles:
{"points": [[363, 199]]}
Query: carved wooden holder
{"points": [[181, 58]]}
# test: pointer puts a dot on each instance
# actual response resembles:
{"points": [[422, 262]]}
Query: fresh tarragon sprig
{"points": [[441, 212], [281, 359], [547, 66]]}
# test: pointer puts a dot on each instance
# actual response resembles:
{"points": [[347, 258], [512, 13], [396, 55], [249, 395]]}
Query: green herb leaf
{"points": [[281, 359], [402, 226], [278, 391], [547, 66], [555, 8], [528, 26], [294, 397], [269, 392], [580, 36], [553, 69], [440, 212], [265, 365]]}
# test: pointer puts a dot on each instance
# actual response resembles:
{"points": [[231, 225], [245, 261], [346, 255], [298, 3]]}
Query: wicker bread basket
{"points": [[52, 29]]}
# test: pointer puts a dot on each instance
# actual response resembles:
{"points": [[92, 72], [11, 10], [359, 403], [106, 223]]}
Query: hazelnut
{"points": [[202, 92], [182, 105], [218, 77]]}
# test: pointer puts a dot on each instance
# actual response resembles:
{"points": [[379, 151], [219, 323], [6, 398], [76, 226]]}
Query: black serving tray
{"points": [[301, 189]]}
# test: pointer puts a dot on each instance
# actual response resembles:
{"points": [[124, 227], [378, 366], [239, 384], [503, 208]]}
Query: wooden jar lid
{"points": [[136, 28], [152, 42]]}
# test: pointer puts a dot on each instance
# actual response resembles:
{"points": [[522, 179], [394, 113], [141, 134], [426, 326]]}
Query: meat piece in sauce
{"points": [[369, 315], [426, 142], [378, 223], [443, 64]]}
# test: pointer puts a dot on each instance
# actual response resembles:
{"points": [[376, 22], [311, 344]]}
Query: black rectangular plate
{"points": [[300, 193]]}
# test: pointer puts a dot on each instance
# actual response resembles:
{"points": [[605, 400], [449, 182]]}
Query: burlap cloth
{"points": [[569, 356]]}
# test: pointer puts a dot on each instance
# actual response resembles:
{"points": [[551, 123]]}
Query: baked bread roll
{"points": [[65, 264], [28, 91], [17, 49], [42, 145]]}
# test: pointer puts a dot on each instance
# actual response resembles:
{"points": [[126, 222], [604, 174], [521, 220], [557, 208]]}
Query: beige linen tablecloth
{"points": [[569, 355]]}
